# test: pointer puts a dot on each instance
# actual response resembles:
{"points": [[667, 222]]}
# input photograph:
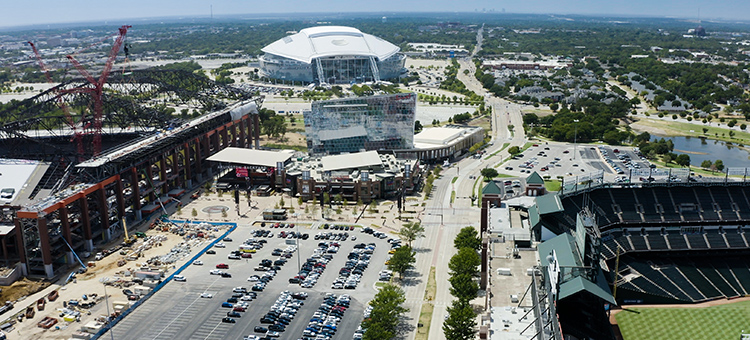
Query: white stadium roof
{"points": [[327, 41]]}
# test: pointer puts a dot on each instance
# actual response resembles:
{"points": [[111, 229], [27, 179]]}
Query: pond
{"points": [[700, 149]]}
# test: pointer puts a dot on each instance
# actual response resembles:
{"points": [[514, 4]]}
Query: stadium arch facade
{"points": [[332, 55]]}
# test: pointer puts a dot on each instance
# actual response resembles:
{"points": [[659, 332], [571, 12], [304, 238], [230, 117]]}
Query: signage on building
{"points": [[241, 172]]}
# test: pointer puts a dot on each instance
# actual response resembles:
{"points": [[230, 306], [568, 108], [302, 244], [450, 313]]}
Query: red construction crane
{"points": [[97, 89], [77, 136]]}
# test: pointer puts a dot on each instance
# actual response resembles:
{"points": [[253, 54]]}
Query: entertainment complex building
{"points": [[358, 176], [332, 55]]}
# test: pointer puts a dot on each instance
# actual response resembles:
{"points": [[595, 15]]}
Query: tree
{"points": [[467, 238], [489, 173], [683, 160], [411, 231], [386, 313], [417, 126], [465, 261], [706, 164], [373, 207], [554, 107], [514, 150], [461, 322], [705, 130], [402, 260], [668, 158], [719, 164], [194, 212], [463, 287]]}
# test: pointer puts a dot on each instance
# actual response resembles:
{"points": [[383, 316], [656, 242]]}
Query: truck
{"points": [[8, 306]]}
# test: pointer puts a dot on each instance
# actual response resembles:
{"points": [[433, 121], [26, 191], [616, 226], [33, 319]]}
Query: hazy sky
{"points": [[32, 12]]}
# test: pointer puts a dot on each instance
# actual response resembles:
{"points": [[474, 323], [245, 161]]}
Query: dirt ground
{"points": [[21, 288]]}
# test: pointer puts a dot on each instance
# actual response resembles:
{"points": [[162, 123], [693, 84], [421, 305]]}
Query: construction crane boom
{"points": [[98, 86]]}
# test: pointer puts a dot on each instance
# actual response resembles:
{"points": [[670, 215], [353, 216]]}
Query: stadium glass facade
{"points": [[334, 70], [384, 122]]}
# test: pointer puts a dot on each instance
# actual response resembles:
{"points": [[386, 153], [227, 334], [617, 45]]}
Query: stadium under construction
{"points": [[70, 197]]}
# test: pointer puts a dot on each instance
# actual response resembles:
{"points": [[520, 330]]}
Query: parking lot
{"points": [[555, 159], [179, 312]]}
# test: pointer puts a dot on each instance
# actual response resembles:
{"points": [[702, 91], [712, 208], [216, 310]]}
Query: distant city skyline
{"points": [[41, 12]]}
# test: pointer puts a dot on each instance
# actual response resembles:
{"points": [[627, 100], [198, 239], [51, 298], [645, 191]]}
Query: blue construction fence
{"points": [[158, 287]]}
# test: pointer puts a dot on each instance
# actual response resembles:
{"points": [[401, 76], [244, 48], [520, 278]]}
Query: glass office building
{"points": [[384, 122]]}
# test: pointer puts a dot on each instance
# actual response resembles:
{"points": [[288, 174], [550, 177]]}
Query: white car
{"points": [[207, 295], [253, 278], [198, 262], [179, 278], [220, 245], [272, 334], [251, 337], [216, 272]]}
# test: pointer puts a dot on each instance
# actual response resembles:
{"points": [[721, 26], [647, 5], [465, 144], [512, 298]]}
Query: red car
{"points": [[246, 255], [239, 309], [222, 266]]}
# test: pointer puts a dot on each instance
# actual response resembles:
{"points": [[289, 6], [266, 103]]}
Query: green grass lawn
{"points": [[715, 323], [673, 128], [552, 185]]}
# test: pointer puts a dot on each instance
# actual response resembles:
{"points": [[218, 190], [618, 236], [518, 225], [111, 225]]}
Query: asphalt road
{"points": [[178, 312]]}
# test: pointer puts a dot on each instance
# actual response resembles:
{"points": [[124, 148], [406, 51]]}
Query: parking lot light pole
{"points": [[575, 138], [104, 281]]}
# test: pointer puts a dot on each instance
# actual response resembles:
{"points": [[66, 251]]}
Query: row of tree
{"points": [[461, 322]]}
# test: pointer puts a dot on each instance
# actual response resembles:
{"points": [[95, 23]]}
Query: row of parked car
{"points": [[378, 234], [270, 268], [324, 323], [351, 273], [338, 227], [281, 314], [238, 303], [333, 236], [314, 266]]}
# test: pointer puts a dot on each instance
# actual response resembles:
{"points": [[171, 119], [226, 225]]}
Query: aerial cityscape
{"points": [[559, 170]]}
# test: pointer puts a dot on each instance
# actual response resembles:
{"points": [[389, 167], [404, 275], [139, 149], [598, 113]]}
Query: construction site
{"points": [[101, 152]]}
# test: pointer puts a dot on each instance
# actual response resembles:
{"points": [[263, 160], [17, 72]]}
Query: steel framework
{"points": [[133, 104]]}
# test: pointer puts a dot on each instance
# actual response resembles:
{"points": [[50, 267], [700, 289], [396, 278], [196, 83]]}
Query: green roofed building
{"points": [[535, 185], [577, 285]]}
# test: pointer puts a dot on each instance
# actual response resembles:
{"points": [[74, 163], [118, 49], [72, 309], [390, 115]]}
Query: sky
{"points": [[35, 12]]}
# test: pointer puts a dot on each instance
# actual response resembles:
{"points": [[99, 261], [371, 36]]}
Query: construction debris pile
{"points": [[177, 253]]}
